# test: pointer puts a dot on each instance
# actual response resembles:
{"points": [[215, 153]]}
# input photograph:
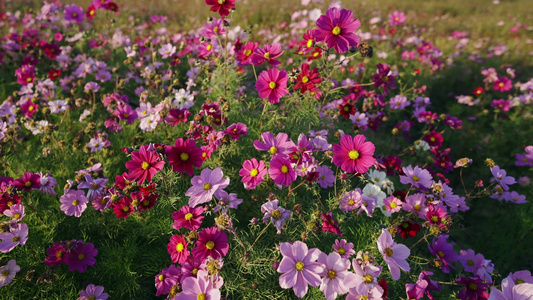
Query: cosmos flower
{"points": [[221, 6], [275, 214], [337, 29], [394, 255], [93, 292], [272, 85], [204, 186], [8, 272], [253, 173], [211, 242], [187, 217], [73, 203], [184, 155], [144, 165], [354, 154]]}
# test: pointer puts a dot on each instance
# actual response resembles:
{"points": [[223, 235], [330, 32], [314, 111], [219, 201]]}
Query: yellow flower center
{"points": [[92, 298], [5, 273], [16, 216], [207, 186], [284, 169], [126, 208], [472, 286], [336, 30], [247, 52], [91, 12], [145, 165], [416, 178], [210, 245], [16, 239], [341, 251], [519, 281], [351, 202], [221, 2], [202, 295], [470, 262], [254, 172], [184, 156], [389, 252], [161, 277], [299, 266], [276, 214], [28, 80], [272, 85], [75, 202], [94, 186], [501, 84], [27, 184], [309, 43], [194, 271], [354, 154], [126, 115], [417, 207], [216, 29], [396, 19], [434, 219], [316, 54], [305, 79], [273, 150], [81, 256], [179, 247], [74, 15], [188, 216], [267, 55], [332, 274], [440, 254], [368, 278], [393, 205]]}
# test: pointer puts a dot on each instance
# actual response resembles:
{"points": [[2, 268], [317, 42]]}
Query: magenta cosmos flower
{"points": [[344, 249], [200, 287], [299, 267], [281, 170], [204, 186], [29, 181], [80, 257], [211, 242], [221, 6], [187, 217], [253, 173], [73, 13], [144, 165], [165, 280], [394, 255], [267, 53], [279, 144], [93, 292], [336, 279], [177, 248], [73, 203], [272, 85], [184, 156], [397, 18], [8, 272], [354, 154], [337, 28]]}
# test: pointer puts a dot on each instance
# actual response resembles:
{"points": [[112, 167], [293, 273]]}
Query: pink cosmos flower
{"points": [[394, 255], [73, 203], [397, 18], [8, 272], [165, 280], [419, 178], [272, 85], [93, 292], [204, 186], [344, 249], [184, 156], [177, 248], [199, 287], [211, 242], [80, 257], [350, 200], [222, 6], [354, 154], [514, 288], [365, 277], [279, 144], [244, 55], [503, 84], [326, 177], [416, 204], [253, 173], [267, 53], [187, 217], [337, 28], [144, 165], [17, 235], [299, 267], [15, 211], [336, 279], [392, 204], [281, 170]]}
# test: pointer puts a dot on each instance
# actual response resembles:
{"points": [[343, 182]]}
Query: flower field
{"points": [[214, 149]]}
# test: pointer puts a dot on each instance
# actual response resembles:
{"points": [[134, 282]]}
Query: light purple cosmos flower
{"points": [[15, 211], [167, 50], [17, 235], [299, 267], [277, 214], [226, 201], [48, 183], [279, 144], [444, 252], [501, 177], [336, 279], [337, 29], [93, 292], [199, 287], [165, 280], [366, 277], [419, 178], [326, 177], [399, 102], [58, 106], [73, 13], [74, 203], [344, 249], [394, 255], [95, 186], [416, 204], [91, 87], [471, 261], [204, 186], [8, 272], [351, 200], [509, 291]]}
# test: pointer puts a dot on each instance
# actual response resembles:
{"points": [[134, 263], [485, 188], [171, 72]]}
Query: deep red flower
{"points": [[307, 80], [222, 6], [434, 139], [188, 217], [91, 12], [123, 208], [346, 110], [54, 74], [478, 91], [184, 156], [177, 248], [408, 229], [211, 242], [28, 182], [330, 224]]}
